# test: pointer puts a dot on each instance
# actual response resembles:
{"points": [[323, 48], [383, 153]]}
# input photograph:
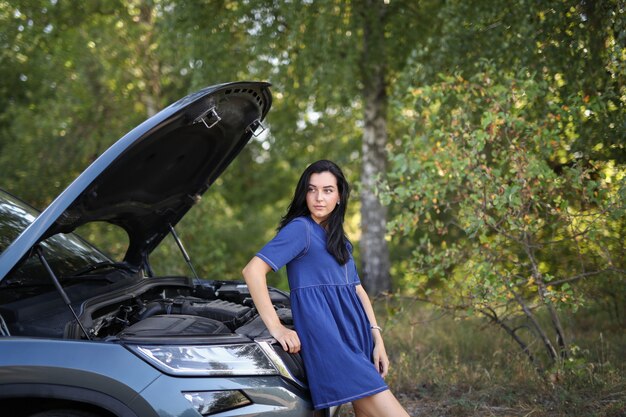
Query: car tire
{"points": [[64, 413]]}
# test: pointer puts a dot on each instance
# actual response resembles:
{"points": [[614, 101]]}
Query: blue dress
{"points": [[328, 315]]}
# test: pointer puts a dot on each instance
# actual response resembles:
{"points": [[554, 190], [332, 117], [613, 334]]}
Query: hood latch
{"points": [[209, 118]]}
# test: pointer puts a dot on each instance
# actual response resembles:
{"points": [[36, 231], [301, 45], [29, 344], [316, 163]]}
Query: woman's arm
{"points": [[381, 361], [255, 275]]}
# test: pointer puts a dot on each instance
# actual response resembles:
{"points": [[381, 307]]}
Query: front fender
{"points": [[99, 373]]}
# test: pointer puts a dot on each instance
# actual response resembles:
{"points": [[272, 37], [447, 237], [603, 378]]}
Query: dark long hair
{"points": [[336, 239]]}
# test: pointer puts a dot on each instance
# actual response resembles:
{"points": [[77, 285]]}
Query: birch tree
{"points": [[331, 63]]}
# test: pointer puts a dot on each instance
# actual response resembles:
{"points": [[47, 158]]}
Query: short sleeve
{"points": [[355, 277], [354, 273], [292, 241]]}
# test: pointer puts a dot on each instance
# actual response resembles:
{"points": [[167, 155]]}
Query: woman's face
{"points": [[322, 195]]}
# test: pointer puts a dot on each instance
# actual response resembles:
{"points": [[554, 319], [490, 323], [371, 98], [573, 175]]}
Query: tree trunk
{"points": [[374, 250], [541, 286], [150, 64]]}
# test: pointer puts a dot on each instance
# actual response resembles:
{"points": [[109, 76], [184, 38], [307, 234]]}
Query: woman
{"points": [[342, 345]]}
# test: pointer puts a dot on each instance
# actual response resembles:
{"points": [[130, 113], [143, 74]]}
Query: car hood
{"points": [[151, 177]]}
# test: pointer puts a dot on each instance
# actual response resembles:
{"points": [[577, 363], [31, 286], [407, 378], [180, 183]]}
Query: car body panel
{"points": [[148, 179], [94, 372]]}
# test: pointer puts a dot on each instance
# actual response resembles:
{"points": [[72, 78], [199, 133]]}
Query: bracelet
{"points": [[377, 328]]}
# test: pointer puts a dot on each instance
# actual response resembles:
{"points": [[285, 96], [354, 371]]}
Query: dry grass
{"points": [[460, 368]]}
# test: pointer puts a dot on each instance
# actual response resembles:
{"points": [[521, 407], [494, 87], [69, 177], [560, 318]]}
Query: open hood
{"points": [[151, 177]]}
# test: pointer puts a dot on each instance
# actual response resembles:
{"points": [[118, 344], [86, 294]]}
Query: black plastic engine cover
{"points": [[173, 326], [230, 314]]}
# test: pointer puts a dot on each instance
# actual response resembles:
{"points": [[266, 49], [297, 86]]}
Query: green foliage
{"points": [[77, 78], [82, 77], [506, 129], [575, 46], [501, 220]]}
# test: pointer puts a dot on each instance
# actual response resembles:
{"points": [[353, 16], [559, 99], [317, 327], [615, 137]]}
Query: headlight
{"points": [[209, 360]]}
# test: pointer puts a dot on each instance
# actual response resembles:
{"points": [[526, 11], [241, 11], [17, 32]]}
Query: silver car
{"points": [[83, 335]]}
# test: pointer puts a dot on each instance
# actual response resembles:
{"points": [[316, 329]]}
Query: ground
{"points": [[418, 406], [413, 405]]}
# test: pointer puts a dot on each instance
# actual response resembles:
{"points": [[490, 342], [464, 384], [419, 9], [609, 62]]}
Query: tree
{"points": [[80, 78], [500, 233], [76, 80], [575, 45], [120, 62], [529, 93], [331, 63]]}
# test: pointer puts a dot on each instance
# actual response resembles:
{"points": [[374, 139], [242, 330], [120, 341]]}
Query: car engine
{"points": [[149, 307]]}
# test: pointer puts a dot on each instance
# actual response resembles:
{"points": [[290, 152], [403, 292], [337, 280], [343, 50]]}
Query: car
{"points": [[86, 335]]}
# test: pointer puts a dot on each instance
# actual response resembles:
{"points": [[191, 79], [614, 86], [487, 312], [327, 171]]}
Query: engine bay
{"points": [[155, 307]]}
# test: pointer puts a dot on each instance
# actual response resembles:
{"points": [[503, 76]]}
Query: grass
{"points": [[446, 367]]}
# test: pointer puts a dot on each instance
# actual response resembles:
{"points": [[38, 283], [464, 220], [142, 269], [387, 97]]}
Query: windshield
{"points": [[66, 253]]}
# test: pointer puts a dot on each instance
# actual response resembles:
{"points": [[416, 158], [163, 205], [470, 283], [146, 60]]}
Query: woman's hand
{"points": [[381, 361], [287, 338], [379, 356]]}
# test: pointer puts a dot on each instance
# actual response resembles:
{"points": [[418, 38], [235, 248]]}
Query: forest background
{"points": [[485, 141]]}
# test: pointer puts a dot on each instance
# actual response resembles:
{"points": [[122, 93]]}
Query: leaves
{"points": [[489, 201], [505, 126]]}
